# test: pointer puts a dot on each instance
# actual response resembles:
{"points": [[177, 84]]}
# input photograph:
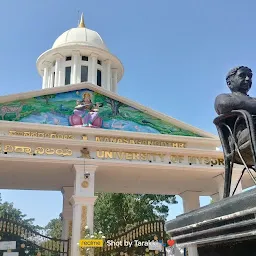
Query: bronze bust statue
{"points": [[239, 81]]}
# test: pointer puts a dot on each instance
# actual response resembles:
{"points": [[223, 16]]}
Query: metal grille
{"points": [[29, 241]]}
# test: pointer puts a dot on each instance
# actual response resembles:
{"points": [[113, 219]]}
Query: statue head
{"points": [[239, 79]]}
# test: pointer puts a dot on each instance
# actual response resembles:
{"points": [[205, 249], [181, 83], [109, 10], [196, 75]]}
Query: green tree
{"points": [[118, 212], [47, 98], [54, 228], [14, 214], [115, 212], [114, 104]]}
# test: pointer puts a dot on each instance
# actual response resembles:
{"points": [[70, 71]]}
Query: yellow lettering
{"points": [[157, 143], [174, 158], [96, 138], [207, 160], [8, 148], [113, 140], [120, 155], [192, 160], [161, 157], [128, 156], [136, 156], [40, 135], [143, 156], [100, 154], [199, 160], [220, 161], [39, 151], [214, 161], [181, 159], [49, 151], [108, 154]]}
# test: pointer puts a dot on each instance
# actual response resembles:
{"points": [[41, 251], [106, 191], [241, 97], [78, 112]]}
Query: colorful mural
{"points": [[85, 108]]}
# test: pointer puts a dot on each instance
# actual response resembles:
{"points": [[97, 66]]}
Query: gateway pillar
{"points": [[67, 193], [190, 203], [82, 204]]}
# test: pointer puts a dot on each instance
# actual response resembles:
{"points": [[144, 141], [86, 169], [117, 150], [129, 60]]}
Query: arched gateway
{"points": [[78, 136]]}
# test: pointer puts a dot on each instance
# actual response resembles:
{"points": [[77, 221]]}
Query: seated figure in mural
{"points": [[86, 113], [239, 81]]}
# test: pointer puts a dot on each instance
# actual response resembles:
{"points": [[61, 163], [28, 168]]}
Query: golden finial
{"points": [[81, 24]]}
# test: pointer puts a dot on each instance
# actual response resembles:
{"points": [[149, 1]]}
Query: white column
{"points": [[83, 204], [67, 193], [114, 80], [93, 68], [45, 78], [57, 69], [75, 67], [61, 74], [51, 79], [107, 76], [190, 203], [220, 185]]}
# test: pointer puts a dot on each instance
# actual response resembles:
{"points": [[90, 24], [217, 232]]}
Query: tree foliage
{"points": [[113, 212], [54, 228], [114, 104], [16, 215], [118, 212]]}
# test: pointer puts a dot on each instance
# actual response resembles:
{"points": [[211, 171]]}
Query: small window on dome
{"points": [[99, 62], [67, 75], [84, 74], [53, 79], [68, 58], [99, 77], [84, 58]]}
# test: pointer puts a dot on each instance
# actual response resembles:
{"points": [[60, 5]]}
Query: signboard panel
{"points": [[10, 254], [5, 245]]}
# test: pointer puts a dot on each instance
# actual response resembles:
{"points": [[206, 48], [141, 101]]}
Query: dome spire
{"points": [[81, 24]]}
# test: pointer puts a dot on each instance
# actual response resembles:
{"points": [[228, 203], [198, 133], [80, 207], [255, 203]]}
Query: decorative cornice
{"points": [[86, 167], [80, 200], [47, 64], [76, 52], [58, 56]]}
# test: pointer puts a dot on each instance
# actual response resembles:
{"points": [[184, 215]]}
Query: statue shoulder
{"points": [[223, 96], [224, 102]]}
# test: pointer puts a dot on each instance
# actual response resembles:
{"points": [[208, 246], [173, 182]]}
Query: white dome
{"points": [[82, 36]]}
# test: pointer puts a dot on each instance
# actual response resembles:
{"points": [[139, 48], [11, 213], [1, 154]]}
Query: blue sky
{"points": [[175, 53]]}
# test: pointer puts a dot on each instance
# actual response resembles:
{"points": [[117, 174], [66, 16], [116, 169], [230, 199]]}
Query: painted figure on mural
{"points": [[239, 81], [86, 113]]}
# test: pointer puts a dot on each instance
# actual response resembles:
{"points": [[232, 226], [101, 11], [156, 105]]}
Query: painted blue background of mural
{"points": [[85, 108]]}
